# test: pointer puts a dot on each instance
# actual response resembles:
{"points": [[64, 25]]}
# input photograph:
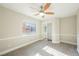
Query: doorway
{"points": [[49, 31]]}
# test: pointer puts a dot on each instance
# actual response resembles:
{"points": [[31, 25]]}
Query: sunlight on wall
{"points": [[53, 51]]}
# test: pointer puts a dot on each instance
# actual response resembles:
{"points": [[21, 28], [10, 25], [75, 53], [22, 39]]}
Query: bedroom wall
{"points": [[68, 30], [12, 23], [0, 22], [56, 30], [11, 34], [78, 31], [63, 29]]}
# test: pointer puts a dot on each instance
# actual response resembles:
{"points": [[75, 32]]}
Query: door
{"points": [[49, 32]]}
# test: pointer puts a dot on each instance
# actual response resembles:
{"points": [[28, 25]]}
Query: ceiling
{"points": [[60, 9]]}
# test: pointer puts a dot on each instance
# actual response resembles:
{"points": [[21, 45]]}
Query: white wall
{"points": [[56, 30], [11, 35], [78, 31], [12, 23], [68, 30], [1, 22], [63, 29]]}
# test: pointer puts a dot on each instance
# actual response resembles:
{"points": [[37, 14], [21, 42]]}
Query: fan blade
{"points": [[50, 13], [46, 6]]}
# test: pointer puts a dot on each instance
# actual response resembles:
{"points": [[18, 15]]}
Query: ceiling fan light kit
{"points": [[42, 14], [43, 10]]}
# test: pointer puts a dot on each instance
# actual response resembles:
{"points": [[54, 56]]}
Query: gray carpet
{"points": [[45, 48]]}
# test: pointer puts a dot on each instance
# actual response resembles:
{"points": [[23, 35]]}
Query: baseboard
{"points": [[69, 42], [56, 42], [14, 48], [53, 41]]}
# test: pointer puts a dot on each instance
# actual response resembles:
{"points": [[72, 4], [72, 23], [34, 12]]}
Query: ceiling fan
{"points": [[43, 10]]}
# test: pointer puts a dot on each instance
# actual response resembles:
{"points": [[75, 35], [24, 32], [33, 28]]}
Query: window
{"points": [[29, 27]]}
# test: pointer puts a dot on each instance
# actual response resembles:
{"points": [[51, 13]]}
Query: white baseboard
{"points": [[69, 42], [14, 48]]}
